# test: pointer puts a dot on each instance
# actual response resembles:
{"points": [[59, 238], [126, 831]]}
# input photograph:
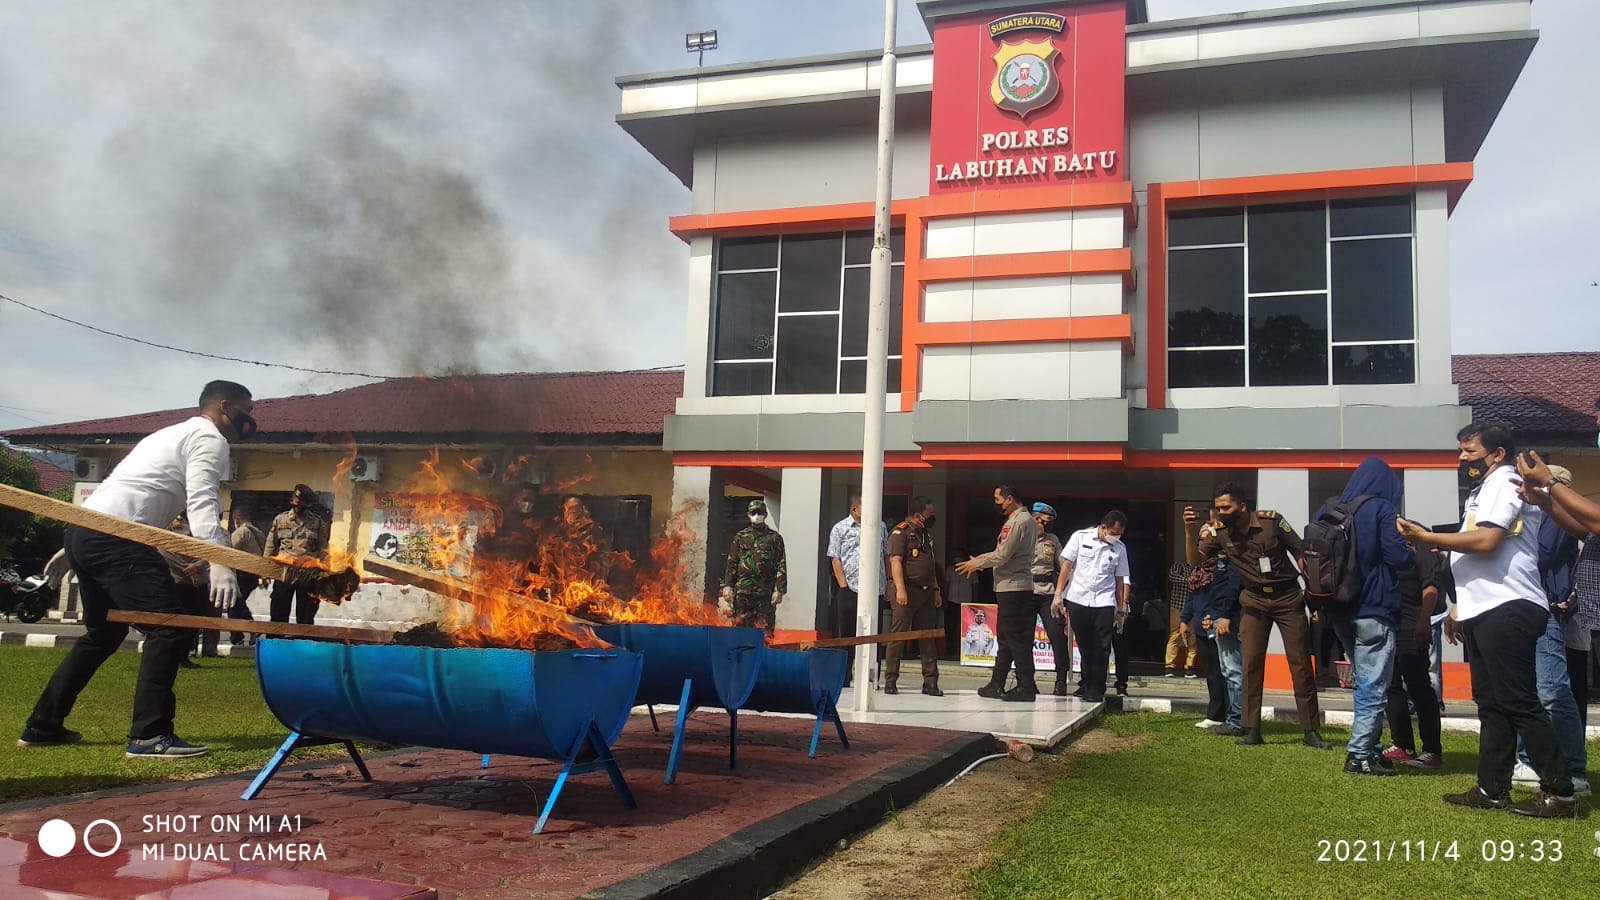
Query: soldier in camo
{"points": [[756, 578]]}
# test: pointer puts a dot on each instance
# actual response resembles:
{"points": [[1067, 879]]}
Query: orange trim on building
{"points": [[1227, 191], [1023, 453], [1118, 454], [1287, 459], [1029, 265], [1089, 195], [790, 459], [838, 217], [911, 314], [1023, 331]]}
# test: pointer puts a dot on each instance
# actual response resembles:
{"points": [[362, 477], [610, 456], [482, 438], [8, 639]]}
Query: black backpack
{"points": [[1333, 576]]}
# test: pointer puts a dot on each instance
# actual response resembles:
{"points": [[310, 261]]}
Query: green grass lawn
{"points": [[219, 705], [1187, 814]]}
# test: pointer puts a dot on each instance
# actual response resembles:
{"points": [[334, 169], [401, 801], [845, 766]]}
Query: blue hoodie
{"points": [[1380, 551]]}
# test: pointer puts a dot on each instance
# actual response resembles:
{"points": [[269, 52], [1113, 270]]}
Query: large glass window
{"points": [[791, 314], [1292, 294]]}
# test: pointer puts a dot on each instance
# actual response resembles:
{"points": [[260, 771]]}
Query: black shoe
{"points": [[1315, 742], [1061, 689], [1226, 730], [1079, 692], [1478, 799], [1377, 765], [188, 663], [1547, 806], [1122, 690], [1101, 698], [39, 737], [1019, 695], [1251, 738], [889, 688], [989, 692], [932, 690]]}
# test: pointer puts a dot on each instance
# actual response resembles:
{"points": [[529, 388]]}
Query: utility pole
{"points": [[877, 374]]}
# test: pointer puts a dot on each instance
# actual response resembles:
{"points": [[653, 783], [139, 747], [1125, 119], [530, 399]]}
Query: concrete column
{"points": [[801, 524], [699, 490], [1433, 498]]}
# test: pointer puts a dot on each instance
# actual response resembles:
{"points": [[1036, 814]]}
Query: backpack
{"points": [[1333, 575]]}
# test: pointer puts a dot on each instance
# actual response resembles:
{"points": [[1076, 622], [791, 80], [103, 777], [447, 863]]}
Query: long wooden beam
{"points": [[457, 589], [890, 638], [149, 536], [248, 626]]}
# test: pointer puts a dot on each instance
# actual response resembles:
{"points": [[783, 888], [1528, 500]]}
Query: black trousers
{"points": [[1060, 647], [305, 605], [1411, 686], [844, 623], [1014, 633], [117, 574], [1578, 674], [1094, 627], [1500, 653], [1119, 652], [241, 609], [1216, 685], [197, 600]]}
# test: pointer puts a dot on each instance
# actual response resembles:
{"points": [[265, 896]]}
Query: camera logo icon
{"points": [[57, 838]]}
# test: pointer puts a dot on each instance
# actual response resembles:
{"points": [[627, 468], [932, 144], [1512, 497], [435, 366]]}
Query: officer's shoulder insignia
{"points": [[899, 529], [1284, 525], [1266, 514]]}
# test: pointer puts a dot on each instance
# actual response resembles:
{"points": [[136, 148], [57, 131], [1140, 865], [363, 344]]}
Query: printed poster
{"points": [[979, 644], [427, 531]]}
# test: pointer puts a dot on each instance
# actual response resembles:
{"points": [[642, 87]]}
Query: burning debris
{"points": [[431, 635]]}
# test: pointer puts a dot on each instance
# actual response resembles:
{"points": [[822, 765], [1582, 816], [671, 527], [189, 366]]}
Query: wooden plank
{"points": [[457, 589], [246, 626], [149, 536], [892, 638]]}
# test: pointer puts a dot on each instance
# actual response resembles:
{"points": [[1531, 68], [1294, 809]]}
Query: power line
{"points": [[232, 359]]}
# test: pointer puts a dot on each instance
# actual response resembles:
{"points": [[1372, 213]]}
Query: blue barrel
{"points": [[723, 662], [514, 702], [796, 681]]}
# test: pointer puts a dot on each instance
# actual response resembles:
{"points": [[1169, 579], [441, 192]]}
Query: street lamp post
{"points": [[700, 42]]}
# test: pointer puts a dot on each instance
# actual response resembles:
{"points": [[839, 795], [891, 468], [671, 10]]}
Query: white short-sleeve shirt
{"points": [[1096, 567], [1511, 571]]}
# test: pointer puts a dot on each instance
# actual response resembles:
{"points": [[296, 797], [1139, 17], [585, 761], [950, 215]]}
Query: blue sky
{"points": [[248, 181]]}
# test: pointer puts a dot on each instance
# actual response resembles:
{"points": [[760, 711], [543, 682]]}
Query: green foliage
{"points": [[219, 705], [1187, 814], [27, 538]]}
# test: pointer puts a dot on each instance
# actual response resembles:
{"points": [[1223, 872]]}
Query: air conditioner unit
{"points": [[90, 468], [523, 468], [366, 468], [232, 474]]}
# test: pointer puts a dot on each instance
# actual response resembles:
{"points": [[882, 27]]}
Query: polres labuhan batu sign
{"points": [[1030, 98]]}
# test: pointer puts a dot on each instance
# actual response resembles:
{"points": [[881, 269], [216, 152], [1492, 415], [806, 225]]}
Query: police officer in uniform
{"points": [[915, 594], [1265, 552]]}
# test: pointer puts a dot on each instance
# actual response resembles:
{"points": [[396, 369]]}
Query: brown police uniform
{"points": [[914, 546], [1264, 552]]}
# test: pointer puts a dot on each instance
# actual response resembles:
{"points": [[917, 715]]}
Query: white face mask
{"points": [[1113, 538], [757, 519]]}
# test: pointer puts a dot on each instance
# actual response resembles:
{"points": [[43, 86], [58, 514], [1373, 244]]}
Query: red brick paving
{"points": [[433, 819]]}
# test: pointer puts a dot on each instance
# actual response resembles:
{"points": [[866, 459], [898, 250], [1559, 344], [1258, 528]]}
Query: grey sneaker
{"points": [[166, 746]]}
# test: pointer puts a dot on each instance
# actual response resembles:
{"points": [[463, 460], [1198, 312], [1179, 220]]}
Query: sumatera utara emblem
{"points": [[1025, 79]]}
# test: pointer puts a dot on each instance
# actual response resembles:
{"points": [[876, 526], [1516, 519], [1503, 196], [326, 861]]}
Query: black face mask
{"points": [[928, 522], [244, 424], [1231, 520], [1471, 472]]}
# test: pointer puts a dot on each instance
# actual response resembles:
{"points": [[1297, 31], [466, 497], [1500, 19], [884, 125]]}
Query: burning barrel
{"points": [[560, 705], [809, 681], [693, 665]]}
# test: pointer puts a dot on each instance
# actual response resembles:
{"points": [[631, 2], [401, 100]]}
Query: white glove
{"points": [[224, 587], [725, 600], [777, 597], [56, 569]]}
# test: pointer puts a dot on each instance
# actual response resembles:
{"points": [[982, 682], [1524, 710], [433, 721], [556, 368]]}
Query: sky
{"points": [[395, 187]]}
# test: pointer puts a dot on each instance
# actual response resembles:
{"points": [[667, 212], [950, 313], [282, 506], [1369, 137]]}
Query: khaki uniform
{"points": [[1264, 552], [914, 547]]}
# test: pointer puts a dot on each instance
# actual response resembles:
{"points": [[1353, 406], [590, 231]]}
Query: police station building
{"points": [[1132, 259]]}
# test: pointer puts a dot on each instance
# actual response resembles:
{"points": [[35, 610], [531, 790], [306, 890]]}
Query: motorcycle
{"points": [[25, 598]]}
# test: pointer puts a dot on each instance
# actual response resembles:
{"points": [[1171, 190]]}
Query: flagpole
{"points": [[877, 375]]}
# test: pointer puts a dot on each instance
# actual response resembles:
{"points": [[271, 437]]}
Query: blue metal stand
{"points": [[295, 741], [601, 758], [827, 711], [677, 732]]}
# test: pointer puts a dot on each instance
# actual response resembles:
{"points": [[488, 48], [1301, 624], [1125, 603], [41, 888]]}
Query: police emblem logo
{"points": [[1025, 79]]}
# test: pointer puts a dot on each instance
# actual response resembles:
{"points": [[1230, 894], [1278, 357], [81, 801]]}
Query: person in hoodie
{"points": [[1368, 631]]}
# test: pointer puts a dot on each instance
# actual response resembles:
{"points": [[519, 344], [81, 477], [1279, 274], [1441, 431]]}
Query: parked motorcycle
{"points": [[27, 599]]}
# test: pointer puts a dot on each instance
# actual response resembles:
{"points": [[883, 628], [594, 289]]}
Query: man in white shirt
{"points": [[174, 470], [1501, 611], [844, 558], [1093, 589]]}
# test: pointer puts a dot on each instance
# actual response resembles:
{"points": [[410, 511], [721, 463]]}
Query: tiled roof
{"points": [[1546, 396], [51, 476], [570, 407]]}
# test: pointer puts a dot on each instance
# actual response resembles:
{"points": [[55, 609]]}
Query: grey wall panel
{"points": [[710, 433], [1403, 428], [1163, 143], [1352, 428], [773, 433], [1032, 421], [1296, 131], [816, 168]]}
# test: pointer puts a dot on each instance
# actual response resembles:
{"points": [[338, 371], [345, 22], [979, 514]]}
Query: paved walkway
{"points": [[433, 820]]}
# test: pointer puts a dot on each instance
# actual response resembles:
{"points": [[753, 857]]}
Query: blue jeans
{"points": [[1231, 661], [1555, 694], [1370, 645]]}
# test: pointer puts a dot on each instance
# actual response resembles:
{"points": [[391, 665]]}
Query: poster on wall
{"points": [[428, 531], [979, 642]]}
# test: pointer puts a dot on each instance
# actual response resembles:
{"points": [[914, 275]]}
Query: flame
{"points": [[515, 576]]}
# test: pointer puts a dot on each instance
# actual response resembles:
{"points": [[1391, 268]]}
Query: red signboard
{"points": [[1029, 98]]}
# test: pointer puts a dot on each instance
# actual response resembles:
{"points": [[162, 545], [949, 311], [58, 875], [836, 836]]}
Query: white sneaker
{"points": [[1580, 787], [1207, 723], [1524, 774]]}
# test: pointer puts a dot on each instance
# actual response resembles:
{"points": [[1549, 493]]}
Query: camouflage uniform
{"points": [[755, 570]]}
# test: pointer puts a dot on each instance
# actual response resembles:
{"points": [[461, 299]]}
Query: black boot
{"points": [[1252, 737], [989, 691], [1315, 741], [1061, 687]]}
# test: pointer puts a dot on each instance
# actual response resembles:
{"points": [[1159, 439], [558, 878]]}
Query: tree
{"points": [[29, 539]]}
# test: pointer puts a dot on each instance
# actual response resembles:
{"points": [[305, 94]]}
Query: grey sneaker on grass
{"points": [[166, 746]]}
